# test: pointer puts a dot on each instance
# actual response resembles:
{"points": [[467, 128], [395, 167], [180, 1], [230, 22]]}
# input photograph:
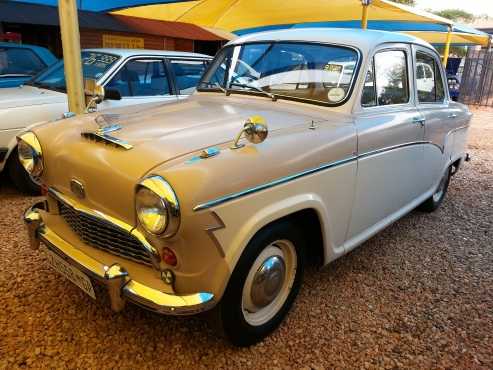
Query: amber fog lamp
{"points": [[30, 154], [157, 207]]}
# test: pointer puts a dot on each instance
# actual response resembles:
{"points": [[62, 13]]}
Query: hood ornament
{"points": [[107, 123]]}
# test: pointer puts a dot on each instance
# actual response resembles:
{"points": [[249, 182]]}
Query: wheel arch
{"points": [[308, 210]]}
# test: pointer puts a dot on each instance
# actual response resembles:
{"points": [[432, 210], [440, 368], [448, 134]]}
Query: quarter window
{"points": [[429, 81], [141, 77], [386, 81], [188, 74]]}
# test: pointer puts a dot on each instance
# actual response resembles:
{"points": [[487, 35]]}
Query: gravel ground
{"points": [[418, 295]]}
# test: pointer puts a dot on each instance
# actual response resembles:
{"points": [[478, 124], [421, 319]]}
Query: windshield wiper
{"points": [[15, 75], [270, 95], [215, 84]]}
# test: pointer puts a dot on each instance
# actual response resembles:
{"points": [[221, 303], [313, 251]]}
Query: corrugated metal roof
{"points": [[15, 12]]}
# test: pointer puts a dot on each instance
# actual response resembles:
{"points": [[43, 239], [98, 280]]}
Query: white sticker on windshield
{"points": [[336, 94]]}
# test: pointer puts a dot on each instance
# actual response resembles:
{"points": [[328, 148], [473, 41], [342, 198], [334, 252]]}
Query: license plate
{"points": [[70, 272]]}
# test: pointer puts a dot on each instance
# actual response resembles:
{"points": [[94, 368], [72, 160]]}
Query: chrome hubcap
{"points": [[268, 280]]}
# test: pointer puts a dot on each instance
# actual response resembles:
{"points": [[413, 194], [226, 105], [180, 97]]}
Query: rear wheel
{"points": [[433, 202], [20, 177], [263, 285]]}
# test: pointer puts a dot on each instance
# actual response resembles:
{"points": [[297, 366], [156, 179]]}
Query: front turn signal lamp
{"points": [[157, 207], [30, 153]]}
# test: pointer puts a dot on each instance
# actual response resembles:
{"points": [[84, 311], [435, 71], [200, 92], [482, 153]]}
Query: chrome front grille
{"points": [[103, 235]]}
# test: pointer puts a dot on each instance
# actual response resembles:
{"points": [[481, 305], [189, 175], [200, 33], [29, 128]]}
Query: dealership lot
{"points": [[419, 294]]}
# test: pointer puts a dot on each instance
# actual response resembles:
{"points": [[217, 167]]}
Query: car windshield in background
{"points": [[19, 62], [301, 71], [94, 65]]}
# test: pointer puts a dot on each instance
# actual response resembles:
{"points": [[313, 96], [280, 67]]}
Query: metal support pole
{"points": [[364, 16], [446, 52], [69, 27]]}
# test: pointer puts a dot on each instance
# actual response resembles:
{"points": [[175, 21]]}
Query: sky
{"points": [[477, 7]]}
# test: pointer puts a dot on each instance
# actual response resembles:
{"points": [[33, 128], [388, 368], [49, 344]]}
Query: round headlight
{"points": [[157, 207], [30, 154]]}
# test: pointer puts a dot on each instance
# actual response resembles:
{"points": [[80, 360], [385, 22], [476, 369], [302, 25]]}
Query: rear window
{"points": [[94, 65]]}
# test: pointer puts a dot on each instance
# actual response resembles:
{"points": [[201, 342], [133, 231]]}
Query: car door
{"points": [[390, 150], [186, 74], [140, 80], [433, 104]]}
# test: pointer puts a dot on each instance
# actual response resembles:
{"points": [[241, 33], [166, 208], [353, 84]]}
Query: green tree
{"points": [[456, 15]]}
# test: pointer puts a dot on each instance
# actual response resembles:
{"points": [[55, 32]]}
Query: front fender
{"points": [[244, 218]]}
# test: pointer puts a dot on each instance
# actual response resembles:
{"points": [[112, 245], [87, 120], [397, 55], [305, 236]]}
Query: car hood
{"points": [[173, 133], [28, 95]]}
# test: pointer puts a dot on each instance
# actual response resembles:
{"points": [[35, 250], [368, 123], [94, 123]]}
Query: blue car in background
{"points": [[20, 62]]}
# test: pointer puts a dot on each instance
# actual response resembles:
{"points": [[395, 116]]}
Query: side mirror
{"points": [[255, 130], [112, 94], [93, 90], [94, 94]]}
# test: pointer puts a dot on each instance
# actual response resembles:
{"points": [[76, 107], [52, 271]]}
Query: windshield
{"points": [[94, 65], [300, 71], [19, 62]]}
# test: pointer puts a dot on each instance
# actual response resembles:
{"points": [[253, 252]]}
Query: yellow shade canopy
{"points": [[235, 15], [457, 38]]}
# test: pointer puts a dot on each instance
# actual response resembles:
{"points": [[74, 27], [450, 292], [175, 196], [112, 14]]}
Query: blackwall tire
{"points": [[434, 202], [20, 177]]}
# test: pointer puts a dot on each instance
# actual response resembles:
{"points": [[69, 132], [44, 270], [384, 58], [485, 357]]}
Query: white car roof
{"points": [[125, 53], [364, 40]]}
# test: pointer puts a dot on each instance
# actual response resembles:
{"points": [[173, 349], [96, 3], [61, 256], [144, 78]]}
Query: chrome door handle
{"points": [[419, 120], [453, 115]]}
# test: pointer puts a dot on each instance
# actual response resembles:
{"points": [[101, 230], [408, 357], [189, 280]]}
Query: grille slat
{"points": [[99, 234]]}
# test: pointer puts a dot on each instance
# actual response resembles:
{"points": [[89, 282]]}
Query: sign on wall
{"points": [[122, 42]]}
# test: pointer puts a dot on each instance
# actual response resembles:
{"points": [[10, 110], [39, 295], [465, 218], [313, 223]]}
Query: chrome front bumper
{"points": [[120, 286]]}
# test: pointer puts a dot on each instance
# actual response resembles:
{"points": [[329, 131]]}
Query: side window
{"points": [[141, 77], [386, 82], [430, 83], [19, 61], [188, 74]]}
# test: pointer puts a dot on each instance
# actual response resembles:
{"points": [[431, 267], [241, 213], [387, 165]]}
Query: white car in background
{"points": [[129, 77]]}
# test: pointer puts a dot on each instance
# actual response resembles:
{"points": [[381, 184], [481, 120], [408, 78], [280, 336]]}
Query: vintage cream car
{"points": [[217, 201]]}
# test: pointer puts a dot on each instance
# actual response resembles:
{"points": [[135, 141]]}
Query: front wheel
{"points": [[263, 285], [432, 203], [20, 177]]}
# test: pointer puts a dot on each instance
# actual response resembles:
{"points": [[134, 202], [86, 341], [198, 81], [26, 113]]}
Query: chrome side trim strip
{"points": [[393, 147], [280, 181], [210, 231], [326, 166]]}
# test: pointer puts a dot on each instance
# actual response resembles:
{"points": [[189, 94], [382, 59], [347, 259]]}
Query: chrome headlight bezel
{"points": [[166, 199], [30, 154]]}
